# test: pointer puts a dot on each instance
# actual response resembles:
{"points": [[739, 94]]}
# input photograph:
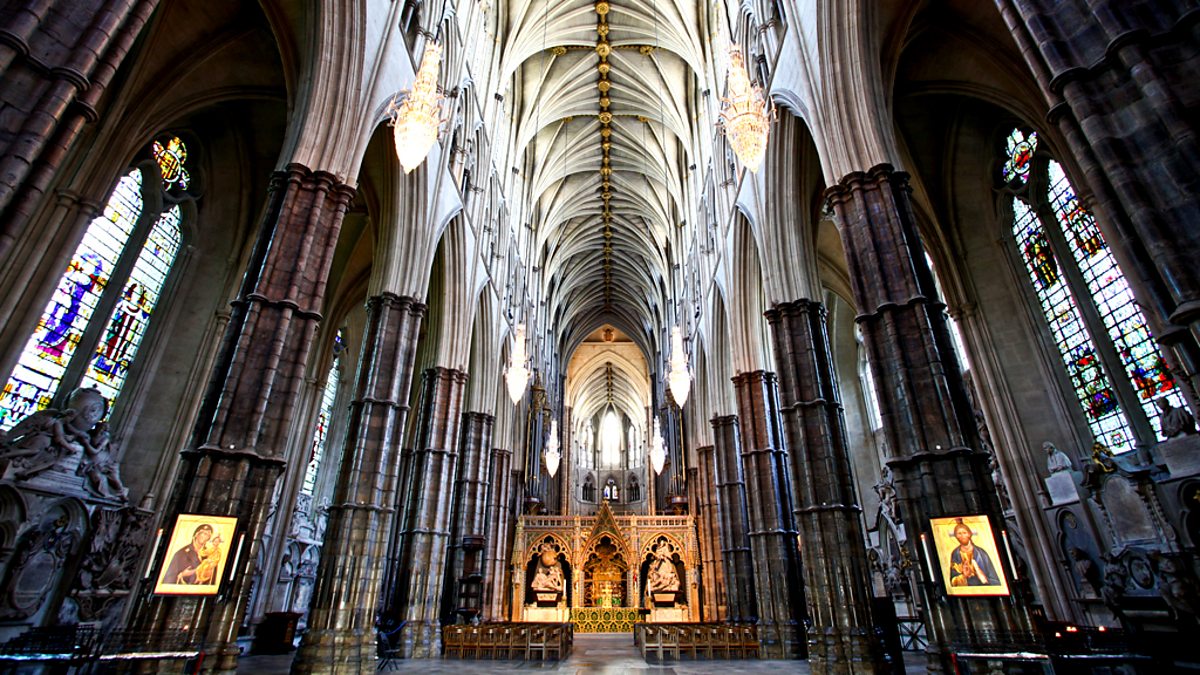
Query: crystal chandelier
{"points": [[553, 456], [678, 379], [658, 451], [745, 115], [416, 121], [516, 376]]}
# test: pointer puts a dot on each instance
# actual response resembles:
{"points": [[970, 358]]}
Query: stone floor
{"points": [[594, 654]]}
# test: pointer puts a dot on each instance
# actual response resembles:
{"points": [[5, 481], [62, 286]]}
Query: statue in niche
{"points": [[998, 481], [49, 436], [1175, 422], [886, 489], [1085, 572], [662, 576], [1056, 460], [548, 577]]}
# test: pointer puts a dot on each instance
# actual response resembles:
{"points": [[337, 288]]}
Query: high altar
{"points": [[606, 572]]}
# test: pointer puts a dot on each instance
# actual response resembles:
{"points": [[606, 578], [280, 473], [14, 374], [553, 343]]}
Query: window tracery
{"points": [[1069, 264], [117, 272]]}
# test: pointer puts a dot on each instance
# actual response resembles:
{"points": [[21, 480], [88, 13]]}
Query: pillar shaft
{"points": [[734, 520], [768, 501], [341, 636], [499, 514], [469, 531], [425, 511], [711, 571], [837, 582], [1121, 90], [236, 452], [927, 416]]}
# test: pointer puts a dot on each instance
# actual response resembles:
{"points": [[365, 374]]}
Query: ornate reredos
{"points": [[556, 543], [674, 550]]}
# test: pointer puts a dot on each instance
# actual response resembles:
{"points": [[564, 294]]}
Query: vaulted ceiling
{"points": [[607, 126]]}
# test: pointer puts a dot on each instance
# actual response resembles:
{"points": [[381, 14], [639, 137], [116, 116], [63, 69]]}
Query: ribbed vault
{"points": [[606, 132]]}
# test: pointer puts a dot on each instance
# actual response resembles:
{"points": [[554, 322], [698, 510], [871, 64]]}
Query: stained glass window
{"points": [[1049, 257], [324, 417], [1020, 156], [1075, 346], [1123, 319], [88, 284], [127, 324]]}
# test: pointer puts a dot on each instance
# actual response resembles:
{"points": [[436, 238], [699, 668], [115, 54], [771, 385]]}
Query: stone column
{"points": [[341, 624], [499, 514], [1122, 90], [927, 416], [769, 503], [733, 519], [469, 531], [710, 564], [424, 531], [55, 66], [837, 582], [236, 452]]}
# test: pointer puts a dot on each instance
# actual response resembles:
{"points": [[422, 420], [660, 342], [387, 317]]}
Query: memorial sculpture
{"points": [[662, 576], [74, 439], [1175, 422], [548, 578], [1056, 460]]}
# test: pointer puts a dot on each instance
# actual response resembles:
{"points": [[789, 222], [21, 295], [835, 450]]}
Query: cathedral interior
{"points": [[872, 325]]}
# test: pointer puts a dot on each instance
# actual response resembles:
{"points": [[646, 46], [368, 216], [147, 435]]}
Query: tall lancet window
{"points": [[610, 439], [1103, 340], [91, 330], [324, 417]]}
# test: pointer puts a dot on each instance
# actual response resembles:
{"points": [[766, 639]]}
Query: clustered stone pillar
{"points": [[468, 533], [341, 636], [710, 549], [499, 515], [768, 501], [424, 532], [837, 582], [55, 65], [1122, 89], [927, 417], [236, 452], [735, 541]]}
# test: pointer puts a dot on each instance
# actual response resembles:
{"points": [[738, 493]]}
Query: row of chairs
{"points": [[516, 641], [661, 642]]}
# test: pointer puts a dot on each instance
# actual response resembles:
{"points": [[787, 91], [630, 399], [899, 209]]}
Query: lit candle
{"points": [[1008, 553], [928, 558]]}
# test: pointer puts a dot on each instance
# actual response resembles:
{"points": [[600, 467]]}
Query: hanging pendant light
{"points": [[553, 456], [679, 380], [417, 121], [516, 376], [658, 450], [745, 115]]}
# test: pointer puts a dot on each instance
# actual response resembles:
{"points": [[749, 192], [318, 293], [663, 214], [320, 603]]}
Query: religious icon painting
{"points": [[197, 553], [968, 556]]}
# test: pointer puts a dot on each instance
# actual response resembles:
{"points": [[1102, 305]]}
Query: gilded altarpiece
{"points": [[604, 562]]}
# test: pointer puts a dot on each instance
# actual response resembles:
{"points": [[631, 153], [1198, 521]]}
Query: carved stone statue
{"points": [[1175, 421], [1176, 586], [1102, 458], [1056, 460], [998, 481], [549, 574], [49, 436], [662, 576], [886, 489], [100, 469]]}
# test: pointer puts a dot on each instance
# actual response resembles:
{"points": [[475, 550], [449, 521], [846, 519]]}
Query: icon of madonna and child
{"points": [[967, 552]]}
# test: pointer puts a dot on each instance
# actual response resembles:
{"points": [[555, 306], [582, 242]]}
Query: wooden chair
{"points": [[554, 643], [535, 646], [652, 643], [686, 641], [453, 641], [749, 642], [518, 636]]}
